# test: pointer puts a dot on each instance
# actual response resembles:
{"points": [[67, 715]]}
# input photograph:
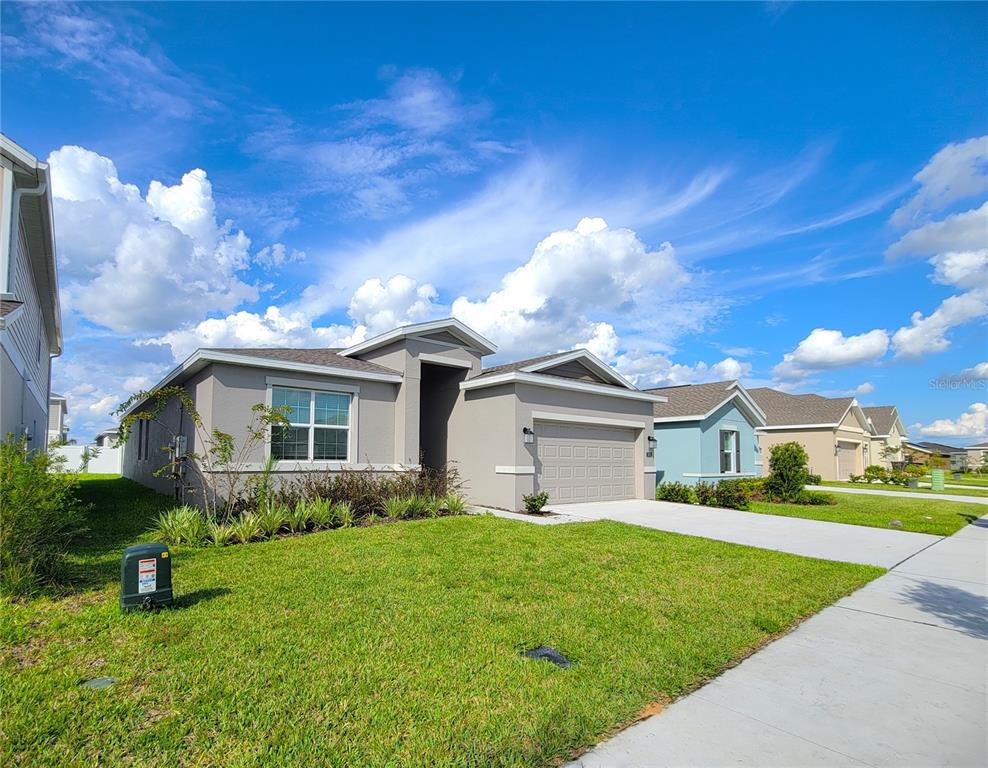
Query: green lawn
{"points": [[392, 645], [920, 515], [883, 487]]}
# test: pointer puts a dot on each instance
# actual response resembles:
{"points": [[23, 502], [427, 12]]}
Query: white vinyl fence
{"points": [[101, 460]]}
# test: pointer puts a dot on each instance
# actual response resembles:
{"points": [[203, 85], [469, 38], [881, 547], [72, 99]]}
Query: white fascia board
{"points": [[202, 357], [776, 428], [557, 382], [417, 329], [583, 355]]}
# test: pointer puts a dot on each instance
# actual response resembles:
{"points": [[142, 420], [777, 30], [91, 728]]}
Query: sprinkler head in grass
{"points": [[98, 682], [549, 654]]}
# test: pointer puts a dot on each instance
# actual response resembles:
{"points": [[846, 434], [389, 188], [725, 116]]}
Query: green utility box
{"points": [[145, 577], [936, 479]]}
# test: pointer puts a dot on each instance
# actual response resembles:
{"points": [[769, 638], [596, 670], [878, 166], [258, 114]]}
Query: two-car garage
{"points": [[580, 462]]}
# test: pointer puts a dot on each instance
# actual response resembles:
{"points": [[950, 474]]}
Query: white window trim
{"points": [[735, 447], [311, 387]]}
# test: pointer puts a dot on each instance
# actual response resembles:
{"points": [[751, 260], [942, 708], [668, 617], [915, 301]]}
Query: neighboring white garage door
{"points": [[846, 460], [582, 463]]}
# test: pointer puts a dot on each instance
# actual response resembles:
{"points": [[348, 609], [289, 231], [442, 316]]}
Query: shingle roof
{"points": [[783, 409], [939, 448], [328, 357], [882, 417], [691, 399], [517, 365], [978, 445]]}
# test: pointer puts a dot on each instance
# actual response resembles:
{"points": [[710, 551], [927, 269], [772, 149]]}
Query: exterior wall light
{"points": [[529, 434], [651, 446]]}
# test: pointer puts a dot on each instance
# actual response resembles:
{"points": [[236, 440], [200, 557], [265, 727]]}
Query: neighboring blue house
{"points": [[706, 433]]}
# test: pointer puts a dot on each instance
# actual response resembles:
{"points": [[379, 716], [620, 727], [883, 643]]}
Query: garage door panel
{"points": [[585, 463], [846, 459]]}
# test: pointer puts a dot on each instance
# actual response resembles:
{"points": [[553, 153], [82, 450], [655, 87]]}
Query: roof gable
{"points": [[785, 410], [435, 330], [694, 402]]}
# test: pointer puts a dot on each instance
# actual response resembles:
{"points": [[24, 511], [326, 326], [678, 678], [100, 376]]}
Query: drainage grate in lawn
{"points": [[549, 654]]}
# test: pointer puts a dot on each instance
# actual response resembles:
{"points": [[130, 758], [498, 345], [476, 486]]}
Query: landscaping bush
{"points": [[895, 477], [185, 525], [815, 498], [874, 472], [705, 494], [534, 502], [41, 514], [680, 493], [732, 494], [814, 479], [788, 472]]}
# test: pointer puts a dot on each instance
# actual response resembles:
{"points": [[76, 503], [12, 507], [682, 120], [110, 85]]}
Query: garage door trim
{"points": [[595, 421]]}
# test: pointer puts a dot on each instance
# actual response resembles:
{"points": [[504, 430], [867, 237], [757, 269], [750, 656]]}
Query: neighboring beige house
{"points": [[888, 431], [920, 453], [977, 455], [834, 431], [58, 409], [564, 423], [30, 317]]}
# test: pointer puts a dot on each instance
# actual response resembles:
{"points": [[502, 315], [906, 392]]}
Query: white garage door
{"points": [[583, 463], [846, 460]]}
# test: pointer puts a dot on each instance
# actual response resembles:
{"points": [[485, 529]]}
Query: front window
{"points": [[730, 452], [318, 428]]}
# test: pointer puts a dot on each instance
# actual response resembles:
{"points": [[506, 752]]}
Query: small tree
{"points": [[788, 471], [219, 466]]}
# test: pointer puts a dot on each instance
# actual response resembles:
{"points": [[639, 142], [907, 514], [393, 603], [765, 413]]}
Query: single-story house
{"points": [[107, 438], [977, 455], [58, 409], [888, 432], [30, 313], [834, 430], [922, 453], [706, 433], [565, 423]]}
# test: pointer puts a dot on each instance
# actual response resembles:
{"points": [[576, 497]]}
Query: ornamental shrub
{"points": [[40, 515], [534, 502], [788, 472], [875, 472], [681, 493], [733, 494], [705, 494]]}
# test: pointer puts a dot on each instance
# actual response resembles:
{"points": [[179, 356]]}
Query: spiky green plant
{"points": [[321, 513], [270, 519], [394, 507], [220, 534], [417, 507], [344, 514], [432, 506], [455, 505], [182, 525], [298, 517], [246, 529]]}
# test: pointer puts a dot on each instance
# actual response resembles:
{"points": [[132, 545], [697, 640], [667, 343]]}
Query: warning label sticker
{"points": [[147, 576]]}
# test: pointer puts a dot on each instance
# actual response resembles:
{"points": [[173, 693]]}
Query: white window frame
{"points": [[313, 388], [733, 468]]}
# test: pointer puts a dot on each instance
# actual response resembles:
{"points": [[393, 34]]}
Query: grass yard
{"points": [[920, 515], [972, 491], [391, 645]]}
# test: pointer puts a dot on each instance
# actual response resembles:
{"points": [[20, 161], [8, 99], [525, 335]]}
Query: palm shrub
{"points": [[788, 472], [40, 515]]}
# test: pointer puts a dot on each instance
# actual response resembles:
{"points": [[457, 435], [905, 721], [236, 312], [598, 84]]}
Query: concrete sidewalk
{"points": [[894, 675], [901, 494], [812, 538]]}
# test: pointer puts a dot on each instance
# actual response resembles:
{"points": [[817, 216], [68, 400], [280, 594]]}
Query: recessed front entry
{"points": [[579, 462]]}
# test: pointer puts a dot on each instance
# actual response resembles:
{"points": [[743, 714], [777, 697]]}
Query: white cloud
{"points": [[729, 368], [383, 306], [865, 388], [979, 371], [826, 349], [955, 172], [972, 423], [961, 269], [657, 370], [965, 231], [278, 255], [549, 301], [604, 342], [928, 334], [176, 262]]}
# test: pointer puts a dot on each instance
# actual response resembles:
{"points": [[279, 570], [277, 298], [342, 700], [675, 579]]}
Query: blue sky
{"points": [[770, 191]]}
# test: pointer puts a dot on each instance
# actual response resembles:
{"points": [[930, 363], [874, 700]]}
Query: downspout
{"points": [[15, 224]]}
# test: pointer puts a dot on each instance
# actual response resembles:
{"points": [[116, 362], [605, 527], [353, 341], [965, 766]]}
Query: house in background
{"points": [[952, 457], [58, 409], [564, 423], [706, 433], [888, 432], [977, 455], [30, 317], [834, 431], [107, 438]]}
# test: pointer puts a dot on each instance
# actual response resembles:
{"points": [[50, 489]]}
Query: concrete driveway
{"points": [[812, 538], [894, 675]]}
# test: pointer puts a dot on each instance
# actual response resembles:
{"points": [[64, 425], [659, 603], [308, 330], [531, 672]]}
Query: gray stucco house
{"points": [[565, 423], [30, 316], [706, 433]]}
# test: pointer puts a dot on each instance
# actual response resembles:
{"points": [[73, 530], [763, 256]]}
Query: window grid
{"points": [[319, 425]]}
